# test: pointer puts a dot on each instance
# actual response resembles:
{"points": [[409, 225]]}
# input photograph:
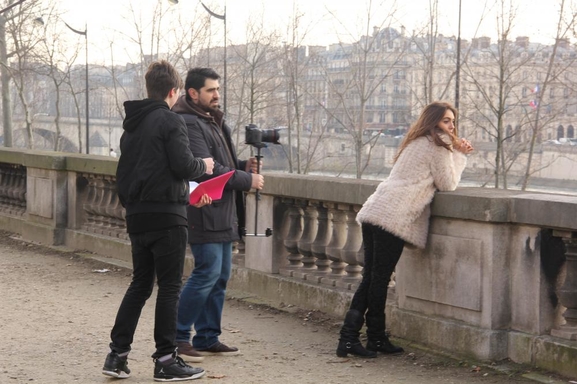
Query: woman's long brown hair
{"points": [[426, 125]]}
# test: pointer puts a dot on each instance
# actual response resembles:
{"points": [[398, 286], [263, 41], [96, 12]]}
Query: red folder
{"points": [[212, 187]]}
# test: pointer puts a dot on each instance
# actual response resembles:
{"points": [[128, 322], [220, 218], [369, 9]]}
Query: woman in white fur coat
{"points": [[430, 158]]}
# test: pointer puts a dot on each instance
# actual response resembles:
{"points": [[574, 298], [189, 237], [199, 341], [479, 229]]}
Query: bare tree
{"points": [[193, 31], [57, 56], [358, 89], [495, 91], [253, 80], [306, 96], [166, 32], [22, 31], [559, 63], [17, 41], [150, 37]]}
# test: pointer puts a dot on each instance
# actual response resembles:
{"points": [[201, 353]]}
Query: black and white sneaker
{"points": [[176, 370], [116, 366]]}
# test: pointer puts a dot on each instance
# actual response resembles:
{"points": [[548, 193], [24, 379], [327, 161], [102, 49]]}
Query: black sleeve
{"points": [[198, 142], [181, 160]]}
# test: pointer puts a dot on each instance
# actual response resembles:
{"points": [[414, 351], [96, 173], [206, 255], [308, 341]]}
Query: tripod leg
{"points": [[257, 193]]}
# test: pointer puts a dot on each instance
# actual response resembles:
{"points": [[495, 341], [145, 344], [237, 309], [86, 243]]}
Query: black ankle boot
{"points": [[354, 348], [349, 342], [383, 345]]}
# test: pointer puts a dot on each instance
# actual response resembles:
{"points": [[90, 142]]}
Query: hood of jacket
{"points": [[184, 106], [136, 110]]}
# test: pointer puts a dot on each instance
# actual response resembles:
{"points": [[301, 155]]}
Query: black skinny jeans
{"points": [[159, 253], [382, 252]]}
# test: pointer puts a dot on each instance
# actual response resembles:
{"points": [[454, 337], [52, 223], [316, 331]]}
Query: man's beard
{"points": [[209, 108]]}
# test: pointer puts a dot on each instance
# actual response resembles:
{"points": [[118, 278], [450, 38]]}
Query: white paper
{"points": [[192, 185]]}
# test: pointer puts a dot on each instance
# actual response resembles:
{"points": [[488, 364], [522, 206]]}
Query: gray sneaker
{"points": [[176, 370]]}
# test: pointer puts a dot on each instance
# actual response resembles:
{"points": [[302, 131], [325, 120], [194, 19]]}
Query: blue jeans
{"points": [[202, 297], [159, 253]]}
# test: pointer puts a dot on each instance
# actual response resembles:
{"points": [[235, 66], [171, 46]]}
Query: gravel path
{"points": [[57, 310]]}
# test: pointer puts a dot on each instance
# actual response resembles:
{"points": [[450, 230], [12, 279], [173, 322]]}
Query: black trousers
{"points": [[159, 253], [382, 252]]}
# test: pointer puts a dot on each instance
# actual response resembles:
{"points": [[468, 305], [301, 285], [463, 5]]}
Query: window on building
{"points": [[560, 132]]}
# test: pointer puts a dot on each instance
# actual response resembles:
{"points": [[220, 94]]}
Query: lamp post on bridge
{"points": [[85, 34], [458, 69]]}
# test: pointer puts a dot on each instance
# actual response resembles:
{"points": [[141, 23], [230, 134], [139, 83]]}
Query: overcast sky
{"points": [[535, 18]]}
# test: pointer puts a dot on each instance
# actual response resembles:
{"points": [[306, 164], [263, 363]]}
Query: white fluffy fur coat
{"points": [[401, 203]]}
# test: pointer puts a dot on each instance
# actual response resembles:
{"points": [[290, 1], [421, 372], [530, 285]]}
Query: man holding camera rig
{"points": [[214, 227]]}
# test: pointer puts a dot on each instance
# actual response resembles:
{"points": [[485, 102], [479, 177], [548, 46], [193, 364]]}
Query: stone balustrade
{"points": [[498, 278]]}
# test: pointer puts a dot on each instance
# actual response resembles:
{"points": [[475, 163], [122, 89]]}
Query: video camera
{"points": [[258, 137]]}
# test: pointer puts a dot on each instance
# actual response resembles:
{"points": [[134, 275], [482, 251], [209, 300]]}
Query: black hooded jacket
{"points": [[210, 137], [155, 162]]}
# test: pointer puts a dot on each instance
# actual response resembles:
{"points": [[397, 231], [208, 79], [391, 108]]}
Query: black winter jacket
{"points": [[219, 221], [155, 162]]}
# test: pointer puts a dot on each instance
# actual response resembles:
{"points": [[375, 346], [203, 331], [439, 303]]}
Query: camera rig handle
{"points": [[268, 231]]}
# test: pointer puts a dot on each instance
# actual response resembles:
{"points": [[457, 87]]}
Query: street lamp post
{"points": [[85, 34], [223, 18], [5, 78], [458, 70]]}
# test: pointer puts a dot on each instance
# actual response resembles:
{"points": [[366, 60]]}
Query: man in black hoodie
{"points": [[214, 227], [152, 182]]}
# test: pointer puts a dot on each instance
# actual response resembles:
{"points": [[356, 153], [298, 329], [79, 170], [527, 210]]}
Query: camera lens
{"points": [[270, 135]]}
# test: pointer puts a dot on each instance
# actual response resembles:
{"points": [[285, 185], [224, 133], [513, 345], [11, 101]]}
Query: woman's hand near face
{"points": [[204, 200], [464, 146]]}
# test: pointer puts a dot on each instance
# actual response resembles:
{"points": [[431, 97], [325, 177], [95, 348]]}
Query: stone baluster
{"points": [[105, 205], [18, 190], [3, 176], [21, 190], [351, 250], [13, 189], [334, 247], [96, 185], [114, 211], [90, 204], [101, 205], [7, 175], [322, 239], [309, 234], [294, 216], [568, 293]]}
